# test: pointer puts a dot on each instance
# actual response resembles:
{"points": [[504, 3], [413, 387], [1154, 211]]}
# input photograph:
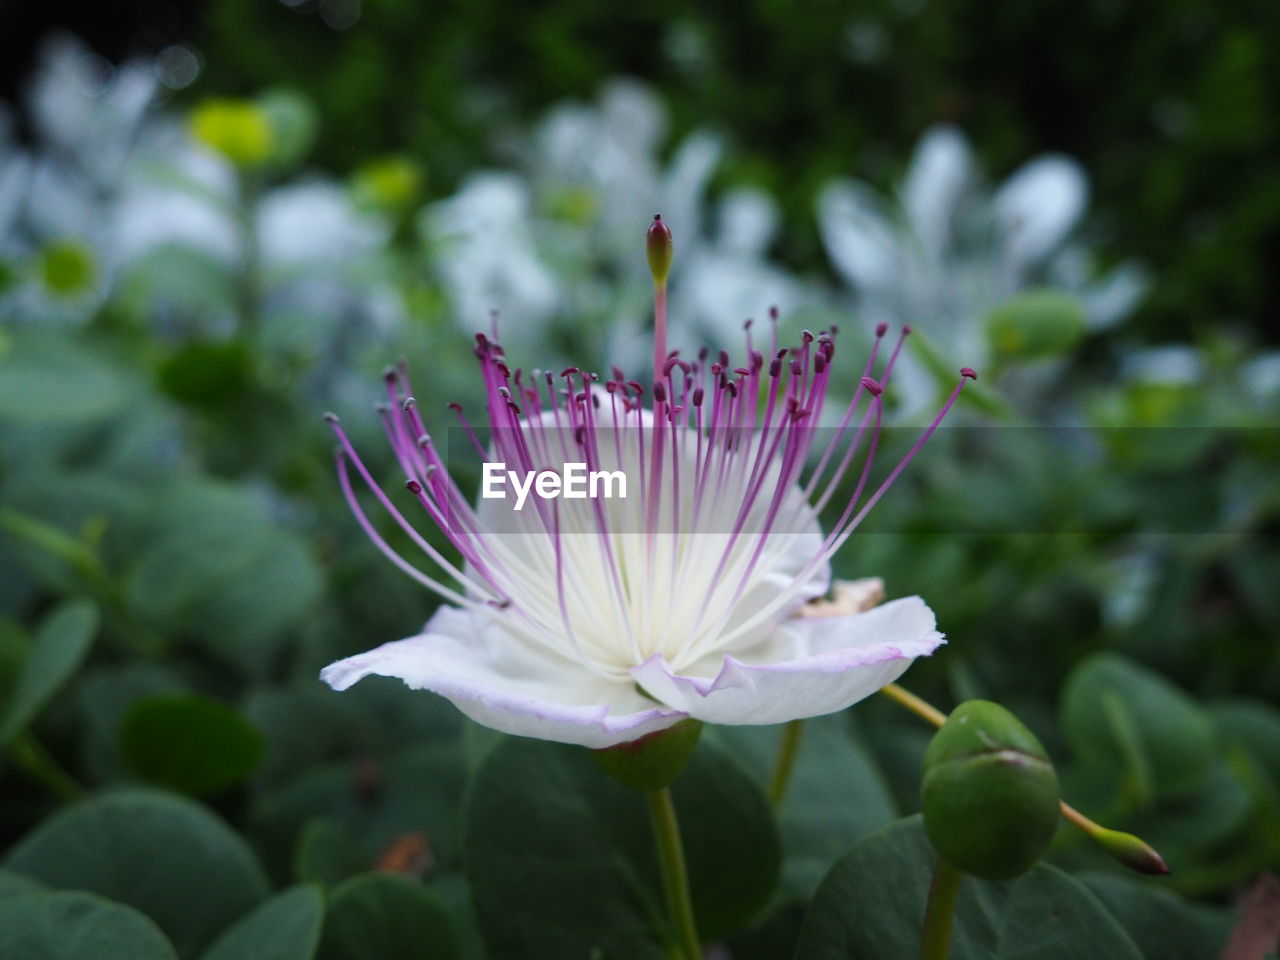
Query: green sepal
{"points": [[654, 761]]}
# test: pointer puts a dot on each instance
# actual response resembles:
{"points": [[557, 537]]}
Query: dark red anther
{"points": [[757, 359], [872, 387], [724, 359], [969, 373], [881, 329], [414, 486], [660, 392], [806, 336], [389, 374], [697, 396], [796, 368], [568, 371], [503, 369], [637, 386], [819, 363], [618, 374], [455, 407], [906, 330], [742, 371], [611, 386], [775, 368], [732, 388], [773, 313], [747, 324], [580, 435]]}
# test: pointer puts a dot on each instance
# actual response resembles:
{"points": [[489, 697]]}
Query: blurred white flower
{"points": [[486, 256], [945, 251]]}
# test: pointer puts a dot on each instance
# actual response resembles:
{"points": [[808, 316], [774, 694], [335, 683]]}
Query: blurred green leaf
{"points": [[47, 378], [15, 885], [1036, 323], [192, 744], [286, 927], [207, 372], [375, 916], [60, 647], [1162, 924], [293, 123], [327, 854], [869, 905], [164, 855], [836, 794], [585, 877], [77, 926], [1129, 719]]}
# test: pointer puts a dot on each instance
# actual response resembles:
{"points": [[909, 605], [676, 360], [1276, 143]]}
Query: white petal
{"points": [[940, 170], [858, 235], [1039, 204], [499, 681], [815, 666]]}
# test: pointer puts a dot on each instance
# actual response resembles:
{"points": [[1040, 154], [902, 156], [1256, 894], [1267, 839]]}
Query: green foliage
{"points": [[561, 860], [859, 909], [169, 858], [286, 927], [378, 915], [162, 735], [60, 646], [73, 925]]}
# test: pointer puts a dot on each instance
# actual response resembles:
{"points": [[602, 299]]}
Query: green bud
{"points": [[658, 246], [237, 129], [1134, 852], [990, 793], [654, 761]]}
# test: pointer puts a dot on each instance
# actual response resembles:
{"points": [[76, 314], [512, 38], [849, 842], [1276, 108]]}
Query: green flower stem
{"points": [[935, 935], [30, 755], [675, 877], [792, 734], [249, 292]]}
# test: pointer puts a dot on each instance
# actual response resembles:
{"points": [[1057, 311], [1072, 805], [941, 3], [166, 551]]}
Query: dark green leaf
{"points": [[327, 853], [77, 926], [561, 860], [60, 647], [166, 856], [836, 794], [15, 884], [375, 916], [1123, 717], [870, 904], [192, 744], [286, 927], [51, 379], [1162, 924]]}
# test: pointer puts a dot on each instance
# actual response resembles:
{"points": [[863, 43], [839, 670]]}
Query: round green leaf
{"points": [[327, 853], [16, 885], [166, 856], [561, 857], [870, 904], [60, 647], [286, 927], [374, 916], [50, 379], [1036, 323], [1121, 716], [75, 926], [1161, 923], [836, 794], [193, 744]]}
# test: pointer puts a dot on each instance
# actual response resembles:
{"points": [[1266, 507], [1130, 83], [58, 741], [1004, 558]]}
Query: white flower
{"points": [[597, 621]]}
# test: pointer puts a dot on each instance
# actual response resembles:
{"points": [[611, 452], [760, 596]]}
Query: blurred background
{"points": [[220, 219]]}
